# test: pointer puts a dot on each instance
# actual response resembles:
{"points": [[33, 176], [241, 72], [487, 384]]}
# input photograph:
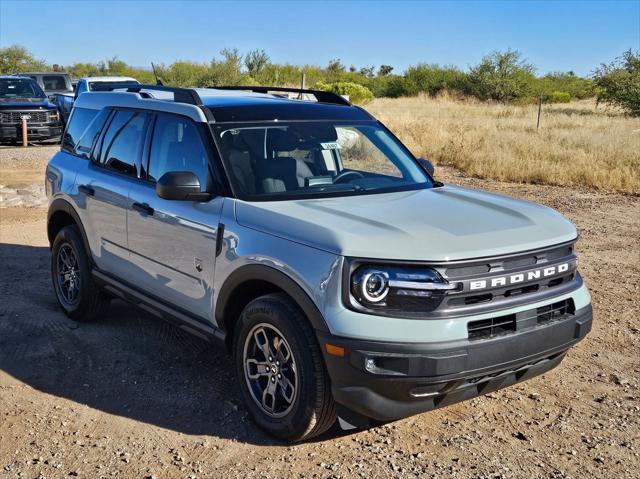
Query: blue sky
{"points": [[553, 35]]}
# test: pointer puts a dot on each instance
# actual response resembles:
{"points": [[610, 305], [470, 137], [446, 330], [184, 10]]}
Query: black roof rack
{"points": [[321, 96], [181, 95]]}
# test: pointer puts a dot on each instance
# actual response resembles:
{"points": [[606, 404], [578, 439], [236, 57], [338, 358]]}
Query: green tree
{"points": [[619, 82], [368, 71], [256, 61], [17, 59], [501, 76], [335, 66], [385, 70]]}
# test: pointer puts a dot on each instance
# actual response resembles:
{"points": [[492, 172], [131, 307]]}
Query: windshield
{"points": [[19, 88], [315, 159]]}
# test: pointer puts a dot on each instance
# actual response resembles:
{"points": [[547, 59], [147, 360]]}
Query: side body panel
{"points": [[172, 251], [104, 215]]}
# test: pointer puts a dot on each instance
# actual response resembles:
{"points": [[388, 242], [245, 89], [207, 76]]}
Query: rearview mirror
{"points": [[180, 185], [427, 165]]}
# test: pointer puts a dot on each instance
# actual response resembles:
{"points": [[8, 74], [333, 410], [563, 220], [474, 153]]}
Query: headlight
{"points": [[395, 288]]}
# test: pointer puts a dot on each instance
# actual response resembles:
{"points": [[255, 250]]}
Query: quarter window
{"points": [[176, 146], [80, 119], [123, 142], [87, 141]]}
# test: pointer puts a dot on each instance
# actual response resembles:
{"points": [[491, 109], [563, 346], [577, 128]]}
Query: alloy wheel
{"points": [[68, 274], [270, 370]]}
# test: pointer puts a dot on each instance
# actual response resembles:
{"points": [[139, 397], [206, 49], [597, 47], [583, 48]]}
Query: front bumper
{"points": [[388, 381], [35, 131]]}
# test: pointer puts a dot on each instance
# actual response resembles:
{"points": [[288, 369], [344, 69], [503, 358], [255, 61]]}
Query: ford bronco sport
{"points": [[304, 238]]}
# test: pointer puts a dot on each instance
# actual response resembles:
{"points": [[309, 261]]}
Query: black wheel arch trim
{"points": [[256, 272], [62, 205]]}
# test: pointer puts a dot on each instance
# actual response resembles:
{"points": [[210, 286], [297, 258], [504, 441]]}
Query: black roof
{"points": [[256, 103], [244, 108]]}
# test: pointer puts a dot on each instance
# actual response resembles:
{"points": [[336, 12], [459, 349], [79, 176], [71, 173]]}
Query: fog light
{"points": [[370, 364]]}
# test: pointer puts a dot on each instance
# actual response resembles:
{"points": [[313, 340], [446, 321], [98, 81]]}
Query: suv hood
{"points": [[439, 224]]}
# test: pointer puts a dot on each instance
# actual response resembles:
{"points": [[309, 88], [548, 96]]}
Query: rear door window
{"points": [[123, 142]]}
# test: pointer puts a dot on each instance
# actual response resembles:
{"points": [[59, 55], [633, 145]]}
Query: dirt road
{"points": [[132, 397]]}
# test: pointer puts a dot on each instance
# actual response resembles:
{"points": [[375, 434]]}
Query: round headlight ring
{"points": [[374, 286]]}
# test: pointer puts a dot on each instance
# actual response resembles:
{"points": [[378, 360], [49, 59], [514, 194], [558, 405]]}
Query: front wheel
{"points": [[280, 370]]}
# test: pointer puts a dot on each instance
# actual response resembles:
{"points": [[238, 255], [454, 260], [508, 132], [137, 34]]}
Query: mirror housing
{"points": [[426, 165], [181, 186]]}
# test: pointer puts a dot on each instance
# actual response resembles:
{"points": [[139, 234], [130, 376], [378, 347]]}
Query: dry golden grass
{"points": [[577, 143]]}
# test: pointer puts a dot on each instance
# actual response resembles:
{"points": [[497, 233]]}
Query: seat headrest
{"points": [[281, 140]]}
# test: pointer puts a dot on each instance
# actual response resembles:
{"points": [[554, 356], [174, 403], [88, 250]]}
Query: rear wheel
{"points": [[78, 295], [280, 370]]}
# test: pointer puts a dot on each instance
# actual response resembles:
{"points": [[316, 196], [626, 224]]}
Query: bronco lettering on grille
{"points": [[519, 277]]}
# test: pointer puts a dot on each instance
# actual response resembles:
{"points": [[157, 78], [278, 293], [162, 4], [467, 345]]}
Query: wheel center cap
{"points": [[273, 369]]}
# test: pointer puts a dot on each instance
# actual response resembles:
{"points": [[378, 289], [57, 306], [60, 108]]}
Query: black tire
{"points": [[312, 409], [88, 303]]}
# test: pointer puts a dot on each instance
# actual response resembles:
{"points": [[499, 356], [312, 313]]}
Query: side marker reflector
{"points": [[334, 350]]}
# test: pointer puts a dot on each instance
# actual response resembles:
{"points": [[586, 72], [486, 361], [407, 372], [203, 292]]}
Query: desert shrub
{"points": [[433, 79], [357, 93], [393, 86], [578, 88], [501, 76], [557, 97], [619, 82]]}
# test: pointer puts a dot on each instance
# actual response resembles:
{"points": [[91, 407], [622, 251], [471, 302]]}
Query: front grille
{"points": [[511, 323], [15, 117], [512, 263], [486, 270]]}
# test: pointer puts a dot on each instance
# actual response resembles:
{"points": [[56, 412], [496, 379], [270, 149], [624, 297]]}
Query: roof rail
{"points": [[181, 95], [321, 96]]}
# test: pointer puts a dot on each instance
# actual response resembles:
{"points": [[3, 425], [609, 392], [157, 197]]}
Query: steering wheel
{"points": [[345, 174]]}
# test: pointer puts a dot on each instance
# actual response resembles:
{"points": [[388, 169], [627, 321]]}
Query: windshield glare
{"points": [[302, 159], [20, 88]]}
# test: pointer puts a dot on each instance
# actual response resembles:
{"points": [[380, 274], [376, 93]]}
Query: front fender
{"points": [[271, 275]]}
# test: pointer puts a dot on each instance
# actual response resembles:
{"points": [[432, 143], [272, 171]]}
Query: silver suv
{"points": [[305, 239]]}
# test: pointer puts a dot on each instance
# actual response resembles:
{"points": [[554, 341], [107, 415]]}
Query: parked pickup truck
{"points": [[22, 98], [53, 83], [65, 101]]}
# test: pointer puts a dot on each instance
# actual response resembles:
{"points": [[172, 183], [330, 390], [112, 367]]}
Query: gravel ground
{"points": [[132, 397]]}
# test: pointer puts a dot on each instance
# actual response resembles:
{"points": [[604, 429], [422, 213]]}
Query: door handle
{"points": [[143, 208], [87, 190]]}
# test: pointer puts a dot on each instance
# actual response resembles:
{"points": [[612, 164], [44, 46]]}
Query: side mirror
{"points": [[427, 165], [180, 185]]}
